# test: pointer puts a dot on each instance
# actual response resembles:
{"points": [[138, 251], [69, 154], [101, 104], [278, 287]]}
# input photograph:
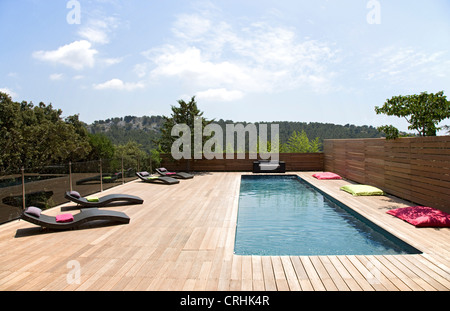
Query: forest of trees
{"points": [[121, 130], [37, 135]]}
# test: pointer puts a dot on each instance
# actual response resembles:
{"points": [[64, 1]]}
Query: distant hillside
{"points": [[145, 130]]}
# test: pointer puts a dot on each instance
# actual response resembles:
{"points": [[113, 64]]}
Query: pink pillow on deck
{"points": [[421, 216], [64, 218], [326, 175], [171, 173]]}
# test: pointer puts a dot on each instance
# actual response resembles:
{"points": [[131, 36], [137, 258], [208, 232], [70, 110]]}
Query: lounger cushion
{"points": [[33, 210], [360, 190], [162, 169], [326, 175], [144, 174], [75, 194], [422, 216], [64, 218], [92, 199]]}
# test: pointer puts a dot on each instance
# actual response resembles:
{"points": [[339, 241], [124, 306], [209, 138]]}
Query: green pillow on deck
{"points": [[92, 199], [359, 190]]}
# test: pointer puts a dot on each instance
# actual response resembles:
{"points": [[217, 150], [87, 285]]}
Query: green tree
{"points": [[423, 112], [34, 136], [300, 143], [10, 133], [185, 113], [102, 147], [132, 155]]}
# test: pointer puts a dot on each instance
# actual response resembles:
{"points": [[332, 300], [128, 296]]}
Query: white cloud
{"points": [[255, 58], [98, 30], [220, 95], [401, 64], [190, 65], [56, 76], [117, 84], [8, 91], [76, 55], [112, 61], [191, 27]]}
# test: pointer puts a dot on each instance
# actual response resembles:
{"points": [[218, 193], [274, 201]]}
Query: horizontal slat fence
{"points": [[294, 162], [415, 168]]}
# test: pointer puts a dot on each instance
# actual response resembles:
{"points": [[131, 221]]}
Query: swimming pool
{"points": [[285, 215]]}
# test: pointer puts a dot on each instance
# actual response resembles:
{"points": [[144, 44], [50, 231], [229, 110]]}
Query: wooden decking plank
{"points": [[325, 278], [268, 274], [236, 273], [258, 275], [344, 274], [182, 238], [280, 276], [426, 273], [333, 273], [313, 276], [387, 273], [375, 273], [289, 271], [303, 279], [355, 273]]}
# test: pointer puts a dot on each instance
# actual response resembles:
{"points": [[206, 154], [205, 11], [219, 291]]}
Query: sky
{"points": [[329, 61]]}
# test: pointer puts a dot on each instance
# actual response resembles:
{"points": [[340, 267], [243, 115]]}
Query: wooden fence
{"points": [[294, 162], [416, 169]]}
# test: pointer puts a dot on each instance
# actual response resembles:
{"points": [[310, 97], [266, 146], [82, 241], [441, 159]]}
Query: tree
{"points": [[131, 153], [185, 113], [300, 143], [423, 112], [35, 136], [102, 147]]}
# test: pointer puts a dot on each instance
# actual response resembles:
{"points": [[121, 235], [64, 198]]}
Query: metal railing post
{"points": [[101, 176], [123, 177], [23, 188], [70, 175]]}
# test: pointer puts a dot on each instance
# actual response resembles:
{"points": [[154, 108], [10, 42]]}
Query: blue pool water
{"points": [[284, 215]]}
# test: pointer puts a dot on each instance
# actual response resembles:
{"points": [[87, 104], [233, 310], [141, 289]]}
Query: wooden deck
{"points": [[182, 238]]}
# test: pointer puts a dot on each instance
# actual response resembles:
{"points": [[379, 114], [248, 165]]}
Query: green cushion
{"points": [[357, 190], [92, 199], [153, 177]]}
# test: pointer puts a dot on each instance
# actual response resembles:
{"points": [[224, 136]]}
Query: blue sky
{"points": [[308, 61]]}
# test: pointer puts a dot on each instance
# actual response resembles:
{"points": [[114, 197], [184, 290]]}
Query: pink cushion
{"points": [[421, 216], [64, 218], [171, 173], [326, 175]]}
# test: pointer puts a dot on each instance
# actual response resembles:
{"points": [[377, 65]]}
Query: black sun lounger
{"points": [[146, 177], [180, 175], [103, 201], [84, 216]]}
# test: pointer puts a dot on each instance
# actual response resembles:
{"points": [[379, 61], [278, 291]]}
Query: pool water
{"points": [[285, 215]]}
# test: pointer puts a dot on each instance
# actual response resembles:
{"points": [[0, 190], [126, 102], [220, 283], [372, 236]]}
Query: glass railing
{"points": [[45, 187]]}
